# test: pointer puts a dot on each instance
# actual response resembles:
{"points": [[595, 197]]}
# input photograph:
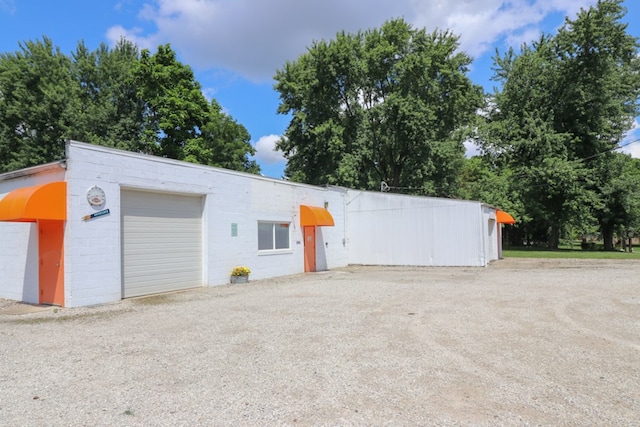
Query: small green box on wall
{"points": [[234, 229]]}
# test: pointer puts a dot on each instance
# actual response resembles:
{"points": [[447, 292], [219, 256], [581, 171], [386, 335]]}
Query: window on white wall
{"points": [[273, 236]]}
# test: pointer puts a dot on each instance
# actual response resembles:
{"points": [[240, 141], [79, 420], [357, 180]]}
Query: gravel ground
{"points": [[521, 342]]}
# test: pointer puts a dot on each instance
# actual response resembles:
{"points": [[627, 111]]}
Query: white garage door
{"points": [[161, 242]]}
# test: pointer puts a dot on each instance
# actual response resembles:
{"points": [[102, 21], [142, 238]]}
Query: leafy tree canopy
{"points": [[38, 103], [564, 104], [118, 97], [381, 105]]}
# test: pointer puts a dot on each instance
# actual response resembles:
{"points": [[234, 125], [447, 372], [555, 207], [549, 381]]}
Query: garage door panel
{"points": [[158, 275], [141, 265], [150, 227], [162, 242], [162, 269], [162, 278], [160, 222], [161, 245], [149, 236], [169, 250], [150, 239]]}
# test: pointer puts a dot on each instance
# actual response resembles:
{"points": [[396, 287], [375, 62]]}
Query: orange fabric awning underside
{"points": [[313, 215], [29, 204], [504, 218]]}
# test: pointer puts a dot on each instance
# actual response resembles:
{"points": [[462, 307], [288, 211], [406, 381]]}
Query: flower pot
{"points": [[239, 279]]}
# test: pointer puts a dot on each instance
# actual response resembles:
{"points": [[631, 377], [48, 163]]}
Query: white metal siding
{"points": [[392, 229], [161, 242]]}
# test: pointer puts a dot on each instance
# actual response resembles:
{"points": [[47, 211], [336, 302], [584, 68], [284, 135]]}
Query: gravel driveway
{"points": [[521, 342]]}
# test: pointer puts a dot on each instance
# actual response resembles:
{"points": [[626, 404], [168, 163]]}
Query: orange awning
{"points": [[504, 218], [313, 215], [29, 204]]}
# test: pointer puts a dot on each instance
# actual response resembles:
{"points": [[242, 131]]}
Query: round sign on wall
{"points": [[96, 196]]}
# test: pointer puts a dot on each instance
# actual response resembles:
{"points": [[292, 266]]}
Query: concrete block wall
{"points": [[19, 261], [93, 248], [370, 227], [245, 200]]}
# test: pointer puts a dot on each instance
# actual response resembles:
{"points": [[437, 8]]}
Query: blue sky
{"points": [[235, 47]]}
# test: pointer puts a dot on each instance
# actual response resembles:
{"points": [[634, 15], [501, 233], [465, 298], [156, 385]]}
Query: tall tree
{"points": [[381, 105], [618, 186], [223, 142], [114, 97], [110, 111], [38, 101], [565, 102], [479, 180], [175, 108], [599, 89]]}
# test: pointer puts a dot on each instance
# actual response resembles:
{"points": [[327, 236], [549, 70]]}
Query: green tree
{"points": [[110, 112], [564, 102], [38, 103], [381, 105], [175, 108], [600, 86], [180, 123], [479, 180], [618, 209], [114, 97], [223, 142]]}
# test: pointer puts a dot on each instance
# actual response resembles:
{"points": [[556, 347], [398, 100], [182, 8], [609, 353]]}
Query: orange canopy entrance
{"points": [[504, 218], [45, 204], [314, 216], [29, 204]]}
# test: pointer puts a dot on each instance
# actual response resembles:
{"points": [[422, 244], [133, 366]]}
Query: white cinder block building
{"points": [[392, 229], [106, 224]]}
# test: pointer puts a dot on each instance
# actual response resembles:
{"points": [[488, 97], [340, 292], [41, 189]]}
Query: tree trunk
{"points": [[554, 237], [607, 236]]}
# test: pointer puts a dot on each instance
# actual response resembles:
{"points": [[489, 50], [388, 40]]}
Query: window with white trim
{"points": [[273, 236]]}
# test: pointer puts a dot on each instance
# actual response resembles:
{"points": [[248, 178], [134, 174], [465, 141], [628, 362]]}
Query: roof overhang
{"points": [[504, 218], [314, 215], [29, 204]]}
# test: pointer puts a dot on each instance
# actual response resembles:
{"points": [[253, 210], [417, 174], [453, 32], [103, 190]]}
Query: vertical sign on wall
{"points": [[234, 230]]}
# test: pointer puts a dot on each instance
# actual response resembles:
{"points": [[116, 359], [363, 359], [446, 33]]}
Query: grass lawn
{"points": [[529, 252]]}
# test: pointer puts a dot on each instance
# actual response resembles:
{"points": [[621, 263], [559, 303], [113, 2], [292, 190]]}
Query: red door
{"points": [[51, 271], [309, 249]]}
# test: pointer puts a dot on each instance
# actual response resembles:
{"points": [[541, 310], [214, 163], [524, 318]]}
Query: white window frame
{"points": [[274, 240]]}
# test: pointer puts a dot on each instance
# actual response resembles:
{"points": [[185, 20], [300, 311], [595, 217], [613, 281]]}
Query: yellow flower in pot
{"points": [[240, 274]]}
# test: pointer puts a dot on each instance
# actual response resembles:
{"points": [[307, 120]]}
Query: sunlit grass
{"points": [[537, 252]]}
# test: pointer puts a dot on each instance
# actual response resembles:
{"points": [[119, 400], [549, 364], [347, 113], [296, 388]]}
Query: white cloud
{"points": [[481, 23], [256, 38], [8, 6], [210, 93], [266, 152], [631, 143], [115, 33], [633, 150]]}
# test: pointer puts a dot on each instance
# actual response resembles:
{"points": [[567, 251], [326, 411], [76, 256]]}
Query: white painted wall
{"points": [[19, 261], [370, 228], [92, 248], [391, 229]]}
